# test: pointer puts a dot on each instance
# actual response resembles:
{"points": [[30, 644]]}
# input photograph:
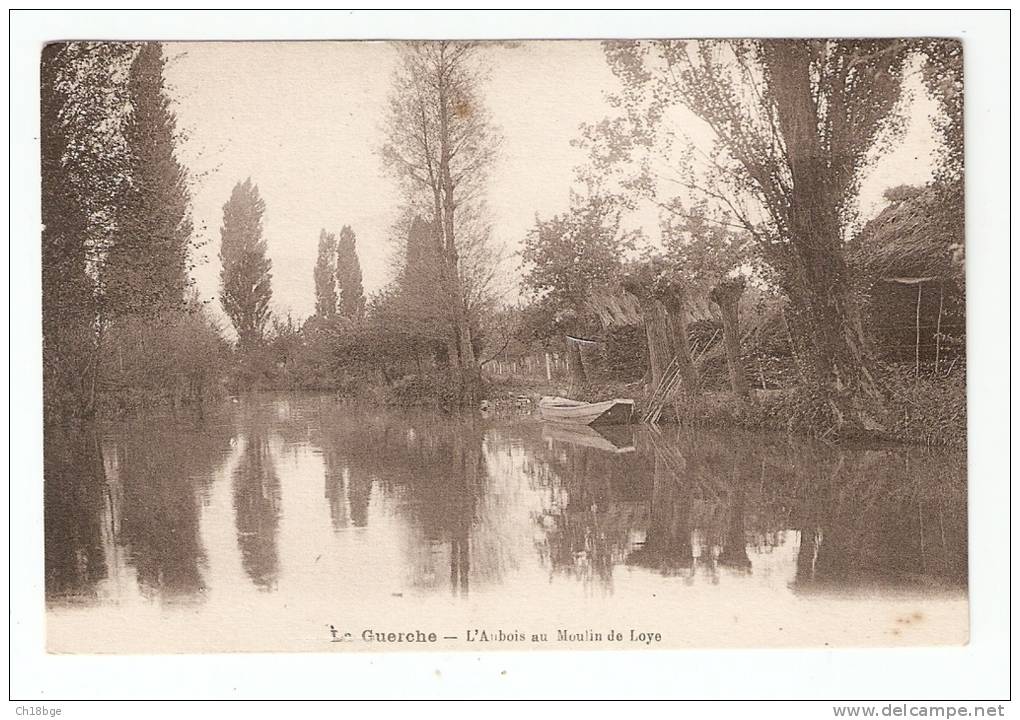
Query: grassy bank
{"points": [[919, 411]]}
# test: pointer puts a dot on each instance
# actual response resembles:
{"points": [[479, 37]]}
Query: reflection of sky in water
{"points": [[257, 529]]}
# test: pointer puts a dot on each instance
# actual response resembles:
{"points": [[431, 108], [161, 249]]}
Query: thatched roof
{"points": [[618, 307], [903, 243]]}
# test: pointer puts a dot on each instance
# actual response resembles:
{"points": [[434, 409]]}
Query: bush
{"points": [[291, 358], [422, 391], [175, 359], [623, 355], [927, 410]]}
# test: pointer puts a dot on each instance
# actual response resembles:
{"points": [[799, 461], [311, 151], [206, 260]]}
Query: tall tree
{"points": [[325, 276], [348, 276], [441, 143], [245, 280], [662, 293], [943, 77], [942, 73], [83, 168], [708, 259], [417, 305], [567, 259], [146, 266], [67, 298], [795, 123]]}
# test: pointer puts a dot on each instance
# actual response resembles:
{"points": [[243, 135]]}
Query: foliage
{"points": [[174, 359], [703, 252], [942, 73], [943, 77], [350, 291], [291, 357], [928, 410], [440, 144], [245, 280], [794, 123], [415, 305], [570, 257], [117, 231], [68, 298], [325, 276], [406, 328], [145, 270]]}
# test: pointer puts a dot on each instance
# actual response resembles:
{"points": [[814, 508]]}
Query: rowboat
{"points": [[616, 439], [607, 412]]}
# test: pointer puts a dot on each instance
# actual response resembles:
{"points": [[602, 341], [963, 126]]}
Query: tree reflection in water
{"points": [[162, 472], [127, 496], [596, 501], [431, 466], [257, 508], [75, 512], [714, 501], [446, 504], [335, 476], [881, 516]]}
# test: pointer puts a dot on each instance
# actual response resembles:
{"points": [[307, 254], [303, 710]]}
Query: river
{"points": [[288, 522]]}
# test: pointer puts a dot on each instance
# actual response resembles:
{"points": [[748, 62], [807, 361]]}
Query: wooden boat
{"points": [[607, 412], [615, 439]]}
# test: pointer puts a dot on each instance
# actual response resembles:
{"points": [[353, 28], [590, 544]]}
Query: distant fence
{"points": [[540, 366]]}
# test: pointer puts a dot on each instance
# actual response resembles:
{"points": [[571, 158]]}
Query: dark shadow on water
{"points": [[125, 496], [698, 504], [256, 494], [466, 502], [335, 491], [432, 469], [76, 512]]}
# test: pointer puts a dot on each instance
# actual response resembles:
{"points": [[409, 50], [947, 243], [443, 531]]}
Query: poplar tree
{"points": [[245, 279], [325, 276], [67, 299], [146, 266], [440, 144], [348, 276], [84, 165]]}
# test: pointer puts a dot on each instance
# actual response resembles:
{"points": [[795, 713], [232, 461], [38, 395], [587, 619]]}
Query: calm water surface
{"points": [[261, 524]]}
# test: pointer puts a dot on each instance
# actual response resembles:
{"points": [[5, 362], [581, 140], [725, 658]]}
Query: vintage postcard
{"points": [[532, 345]]}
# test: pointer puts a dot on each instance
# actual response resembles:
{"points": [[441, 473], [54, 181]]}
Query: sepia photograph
{"points": [[504, 344], [382, 345]]}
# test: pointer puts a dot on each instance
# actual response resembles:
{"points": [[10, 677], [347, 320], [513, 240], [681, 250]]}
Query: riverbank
{"points": [[917, 411]]}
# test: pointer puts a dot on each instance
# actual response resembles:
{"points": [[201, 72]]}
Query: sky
{"points": [[305, 120]]}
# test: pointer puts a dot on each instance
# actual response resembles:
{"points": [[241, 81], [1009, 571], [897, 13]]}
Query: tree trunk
{"points": [[668, 547], [917, 333], [727, 296], [938, 329], [660, 341], [734, 552], [815, 276], [578, 376], [677, 311], [470, 372]]}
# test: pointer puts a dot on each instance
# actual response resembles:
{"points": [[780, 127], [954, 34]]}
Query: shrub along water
{"points": [[174, 359]]}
